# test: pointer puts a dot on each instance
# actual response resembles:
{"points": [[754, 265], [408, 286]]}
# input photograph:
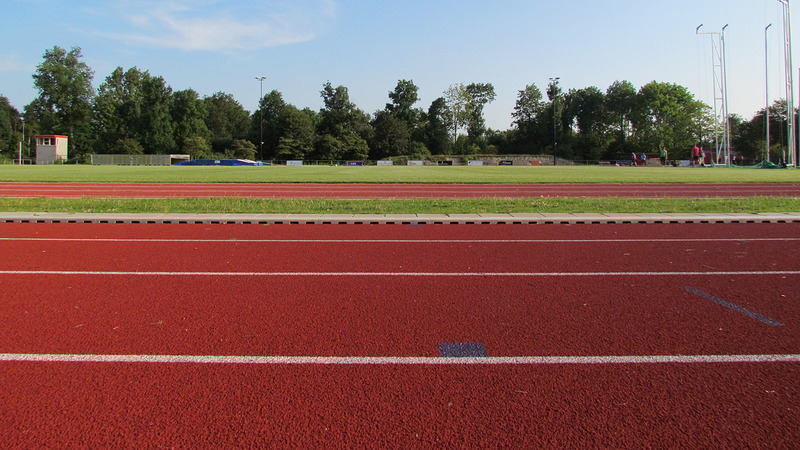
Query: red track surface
{"points": [[398, 292], [363, 191]]}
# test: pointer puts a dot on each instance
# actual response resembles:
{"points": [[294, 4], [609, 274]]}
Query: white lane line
{"points": [[399, 241], [397, 274], [398, 360]]}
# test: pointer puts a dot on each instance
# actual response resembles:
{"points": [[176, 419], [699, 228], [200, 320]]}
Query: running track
{"points": [[366, 191], [679, 335]]}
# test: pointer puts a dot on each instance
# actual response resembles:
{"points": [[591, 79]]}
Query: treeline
{"points": [[135, 112]]}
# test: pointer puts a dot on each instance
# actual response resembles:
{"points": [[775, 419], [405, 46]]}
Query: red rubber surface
{"points": [[366, 191], [618, 405]]}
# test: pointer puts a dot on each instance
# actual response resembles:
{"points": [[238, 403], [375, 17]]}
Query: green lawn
{"points": [[394, 174], [402, 206], [397, 174]]}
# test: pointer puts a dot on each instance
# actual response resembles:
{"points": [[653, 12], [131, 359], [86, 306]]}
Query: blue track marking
{"points": [[462, 350], [737, 308]]}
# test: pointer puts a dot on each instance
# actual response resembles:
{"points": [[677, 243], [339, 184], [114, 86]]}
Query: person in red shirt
{"points": [[696, 154]]}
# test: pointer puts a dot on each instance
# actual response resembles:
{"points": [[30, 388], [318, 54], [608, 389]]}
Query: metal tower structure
{"points": [[722, 135], [790, 155]]}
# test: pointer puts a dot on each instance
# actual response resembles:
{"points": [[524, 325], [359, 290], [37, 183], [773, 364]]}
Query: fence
{"points": [[137, 160]]}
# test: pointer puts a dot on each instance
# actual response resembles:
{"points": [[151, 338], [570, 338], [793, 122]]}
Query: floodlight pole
{"points": [[21, 141], [261, 120], [766, 77], [554, 83], [727, 123], [790, 157]]}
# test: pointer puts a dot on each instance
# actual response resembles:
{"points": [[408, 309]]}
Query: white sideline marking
{"points": [[400, 241], [398, 360], [394, 274]]}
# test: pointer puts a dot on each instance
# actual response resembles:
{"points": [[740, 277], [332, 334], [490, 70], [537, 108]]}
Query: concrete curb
{"points": [[396, 219]]}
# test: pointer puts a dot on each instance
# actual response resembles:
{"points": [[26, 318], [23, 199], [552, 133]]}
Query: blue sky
{"points": [[367, 45]]}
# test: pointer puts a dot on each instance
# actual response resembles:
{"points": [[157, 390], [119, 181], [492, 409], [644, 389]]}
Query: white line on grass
{"points": [[397, 360]]}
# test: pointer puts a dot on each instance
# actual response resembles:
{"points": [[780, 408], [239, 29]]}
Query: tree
{"points": [[668, 116], [620, 104], [342, 126], [456, 98], [297, 138], [390, 136], [588, 108], [39, 119], [437, 125], [6, 136], [354, 146], [65, 88], [126, 146], [9, 118], [749, 137], [135, 105], [339, 114], [403, 99], [188, 117], [266, 122], [478, 96], [118, 108], [528, 117], [555, 112], [155, 126], [226, 120], [242, 149], [198, 148]]}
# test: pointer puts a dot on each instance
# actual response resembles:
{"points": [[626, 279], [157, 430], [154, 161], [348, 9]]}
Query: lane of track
{"points": [[468, 283], [353, 317], [367, 191], [406, 249], [302, 405], [619, 406]]}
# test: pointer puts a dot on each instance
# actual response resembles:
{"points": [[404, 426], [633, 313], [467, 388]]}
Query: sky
{"points": [[368, 45]]}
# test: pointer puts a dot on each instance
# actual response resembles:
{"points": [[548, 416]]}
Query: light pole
{"points": [[766, 76], [553, 85], [790, 156], [261, 120], [21, 141]]}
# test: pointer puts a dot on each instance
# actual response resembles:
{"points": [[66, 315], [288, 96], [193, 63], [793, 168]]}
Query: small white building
{"points": [[50, 148]]}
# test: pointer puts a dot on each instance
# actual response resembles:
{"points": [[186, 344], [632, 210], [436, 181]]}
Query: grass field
{"points": [[397, 174], [402, 206], [394, 174]]}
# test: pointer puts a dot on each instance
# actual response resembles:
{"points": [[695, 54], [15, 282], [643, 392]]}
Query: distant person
{"points": [[663, 156], [633, 157], [696, 155], [644, 159]]}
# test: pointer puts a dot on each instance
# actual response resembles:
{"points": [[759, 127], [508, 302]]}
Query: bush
{"points": [[243, 149], [126, 146], [197, 148]]}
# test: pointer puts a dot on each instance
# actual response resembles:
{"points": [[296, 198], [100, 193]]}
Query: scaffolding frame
{"points": [[722, 126]]}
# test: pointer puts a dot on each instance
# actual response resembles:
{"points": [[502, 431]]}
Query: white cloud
{"points": [[11, 65], [222, 25]]}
